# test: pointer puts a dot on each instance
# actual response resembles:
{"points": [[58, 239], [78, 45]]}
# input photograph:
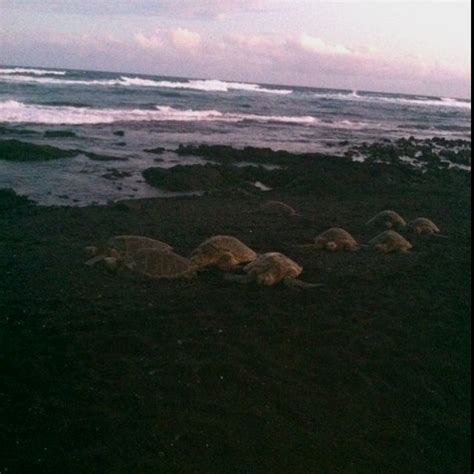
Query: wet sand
{"points": [[112, 373]]}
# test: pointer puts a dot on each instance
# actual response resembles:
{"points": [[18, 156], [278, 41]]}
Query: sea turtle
{"points": [[156, 264], [423, 226], [388, 219], [270, 269], [222, 251], [334, 239], [390, 241], [278, 208], [121, 246]]}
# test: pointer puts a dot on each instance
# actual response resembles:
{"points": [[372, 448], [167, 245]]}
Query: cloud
{"points": [[299, 59], [152, 42], [317, 45], [163, 40], [186, 39]]}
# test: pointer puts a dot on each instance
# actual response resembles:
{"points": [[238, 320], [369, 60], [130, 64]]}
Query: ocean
{"points": [[122, 115]]}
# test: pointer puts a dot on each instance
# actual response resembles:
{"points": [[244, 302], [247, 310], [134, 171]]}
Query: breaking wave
{"points": [[18, 112], [203, 85], [34, 72], [415, 101], [124, 81]]}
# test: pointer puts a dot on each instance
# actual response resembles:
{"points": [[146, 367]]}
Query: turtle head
{"points": [[91, 251], [266, 279], [115, 261], [111, 263], [201, 259], [197, 260]]}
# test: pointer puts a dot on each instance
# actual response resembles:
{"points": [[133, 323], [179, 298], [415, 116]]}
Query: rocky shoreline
{"points": [[111, 373]]}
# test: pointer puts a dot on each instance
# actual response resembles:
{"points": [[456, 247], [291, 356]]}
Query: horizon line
{"points": [[273, 84]]}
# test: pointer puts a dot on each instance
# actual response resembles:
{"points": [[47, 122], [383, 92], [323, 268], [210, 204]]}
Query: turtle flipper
{"points": [[94, 260], [307, 246], [300, 285]]}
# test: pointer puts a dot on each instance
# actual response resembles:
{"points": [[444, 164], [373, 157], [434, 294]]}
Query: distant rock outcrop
{"points": [[14, 150]]}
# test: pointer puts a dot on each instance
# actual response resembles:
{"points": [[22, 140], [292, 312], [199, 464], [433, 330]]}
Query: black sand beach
{"points": [[113, 374]]}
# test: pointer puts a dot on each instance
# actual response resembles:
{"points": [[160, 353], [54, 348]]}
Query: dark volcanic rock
{"points": [[186, 178], [460, 157], [14, 150], [204, 177], [16, 131], [114, 174], [156, 151], [429, 152], [317, 176], [10, 200], [119, 133], [228, 154], [59, 134]]}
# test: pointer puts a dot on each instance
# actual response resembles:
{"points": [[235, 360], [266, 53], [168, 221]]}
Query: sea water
{"points": [[154, 111]]}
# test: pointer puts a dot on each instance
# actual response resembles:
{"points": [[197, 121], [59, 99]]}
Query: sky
{"points": [[415, 47]]}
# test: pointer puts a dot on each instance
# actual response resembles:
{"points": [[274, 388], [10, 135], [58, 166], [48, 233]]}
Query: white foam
{"points": [[17, 112], [202, 85], [416, 101], [54, 81], [261, 186], [411, 161], [359, 158], [124, 81], [34, 72]]}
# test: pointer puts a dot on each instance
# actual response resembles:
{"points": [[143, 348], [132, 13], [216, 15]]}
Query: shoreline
{"points": [[54, 174]]}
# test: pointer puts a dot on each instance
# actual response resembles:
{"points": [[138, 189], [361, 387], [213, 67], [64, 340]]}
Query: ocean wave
{"points": [[416, 101], [54, 81], [201, 85], [124, 81], [34, 72], [18, 112]]}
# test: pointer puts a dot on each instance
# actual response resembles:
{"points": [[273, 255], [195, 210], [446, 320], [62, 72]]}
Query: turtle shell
{"points": [[223, 251], [339, 237], [126, 244], [388, 219], [391, 241], [422, 225], [271, 268], [278, 207], [153, 263]]}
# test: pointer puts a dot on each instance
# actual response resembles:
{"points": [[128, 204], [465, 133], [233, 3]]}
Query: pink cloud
{"points": [[299, 59], [162, 40], [152, 42], [318, 46], [293, 59], [185, 39]]}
